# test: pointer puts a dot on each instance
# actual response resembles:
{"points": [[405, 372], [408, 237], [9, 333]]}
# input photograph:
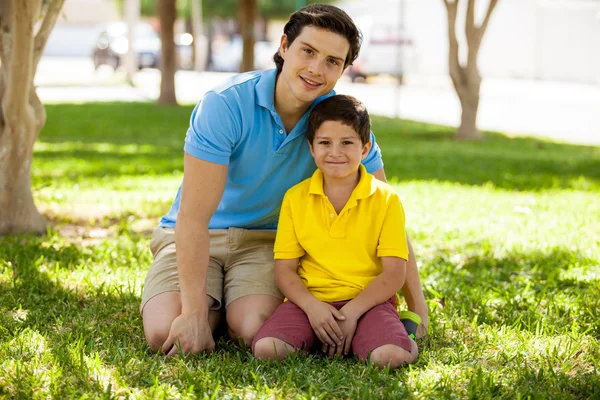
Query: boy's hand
{"points": [[322, 317], [348, 327]]}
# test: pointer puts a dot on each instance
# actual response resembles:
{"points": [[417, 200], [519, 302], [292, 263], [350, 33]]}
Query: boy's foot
{"points": [[412, 322]]}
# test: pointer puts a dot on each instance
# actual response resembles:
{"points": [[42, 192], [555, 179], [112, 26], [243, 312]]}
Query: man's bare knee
{"points": [[244, 330], [156, 337], [246, 315], [158, 315]]}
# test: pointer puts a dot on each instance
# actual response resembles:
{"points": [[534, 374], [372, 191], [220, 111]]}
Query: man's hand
{"points": [[322, 317], [191, 334]]}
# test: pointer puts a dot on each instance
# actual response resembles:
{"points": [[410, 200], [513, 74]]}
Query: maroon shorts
{"points": [[379, 326]]}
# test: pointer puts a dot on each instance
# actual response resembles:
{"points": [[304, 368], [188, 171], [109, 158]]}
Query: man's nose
{"points": [[315, 66]]}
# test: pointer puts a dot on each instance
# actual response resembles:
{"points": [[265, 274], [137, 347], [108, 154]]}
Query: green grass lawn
{"points": [[506, 231]]}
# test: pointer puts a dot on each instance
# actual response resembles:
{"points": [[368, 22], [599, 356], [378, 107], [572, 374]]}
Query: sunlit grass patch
{"points": [[505, 231]]}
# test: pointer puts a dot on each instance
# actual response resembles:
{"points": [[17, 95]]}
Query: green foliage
{"points": [[505, 231], [278, 9]]}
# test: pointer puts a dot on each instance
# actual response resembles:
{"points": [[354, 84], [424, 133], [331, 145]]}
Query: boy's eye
{"points": [[325, 142], [348, 142]]}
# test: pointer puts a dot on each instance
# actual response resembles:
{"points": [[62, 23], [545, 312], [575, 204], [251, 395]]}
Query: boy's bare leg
{"points": [[246, 315], [271, 348], [413, 292], [160, 311], [393, 356]]}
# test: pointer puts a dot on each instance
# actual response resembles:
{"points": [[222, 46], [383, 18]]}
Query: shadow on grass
{"points": [[94, 338], [540, 292], [75, 321], [411, 150], [418, 151]]}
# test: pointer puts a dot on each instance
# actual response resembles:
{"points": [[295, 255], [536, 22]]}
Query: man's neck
{"points": [[289, 108]]}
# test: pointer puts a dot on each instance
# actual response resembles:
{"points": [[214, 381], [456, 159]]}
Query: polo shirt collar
{"points": [[265, 89], [365, 188]]}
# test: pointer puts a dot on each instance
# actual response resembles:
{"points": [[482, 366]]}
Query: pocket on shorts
{"points": [[161, 238]]}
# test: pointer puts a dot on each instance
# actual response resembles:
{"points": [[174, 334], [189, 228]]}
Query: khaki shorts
{"points": [[241, 264]]}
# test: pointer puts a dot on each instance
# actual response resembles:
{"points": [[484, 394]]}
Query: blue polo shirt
{"points": [[236, 124]]}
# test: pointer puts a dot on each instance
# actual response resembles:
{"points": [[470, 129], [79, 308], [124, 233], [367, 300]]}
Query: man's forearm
{"points": [[193, 245]]}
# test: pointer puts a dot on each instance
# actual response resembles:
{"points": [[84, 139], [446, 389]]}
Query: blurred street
{"points": [[567, 112]]}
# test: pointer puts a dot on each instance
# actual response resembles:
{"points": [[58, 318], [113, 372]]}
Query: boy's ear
{"points": [[312, 152], [365, 150]]}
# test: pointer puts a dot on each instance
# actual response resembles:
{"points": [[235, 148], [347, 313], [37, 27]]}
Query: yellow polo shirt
{"points": [[340, 254]]}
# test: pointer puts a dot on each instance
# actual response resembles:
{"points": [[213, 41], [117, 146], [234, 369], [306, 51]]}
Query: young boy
{"points": [[340, 251]]}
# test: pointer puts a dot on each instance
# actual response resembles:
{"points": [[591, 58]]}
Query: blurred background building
{"points": [[530, 39]]}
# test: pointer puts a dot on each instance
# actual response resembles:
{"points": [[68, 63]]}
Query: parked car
{"points": [[385, 50], [227, 56], [112, 46]]}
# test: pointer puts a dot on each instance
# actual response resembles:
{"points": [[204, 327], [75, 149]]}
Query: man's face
{"points": [[313, 63], [337, 150]]}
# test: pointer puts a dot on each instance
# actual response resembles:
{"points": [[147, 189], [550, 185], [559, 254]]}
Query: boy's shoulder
{"points": [[383, 190], [299, 190]]}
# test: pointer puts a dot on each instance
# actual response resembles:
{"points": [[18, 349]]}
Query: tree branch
{"points": [[6, 22], [48, 23], [455, 69], [485, 22]]}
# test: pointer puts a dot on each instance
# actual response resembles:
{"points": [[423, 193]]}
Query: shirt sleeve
{"points": [[286, 241], [392, 239], [214, 130], [373, 161]]}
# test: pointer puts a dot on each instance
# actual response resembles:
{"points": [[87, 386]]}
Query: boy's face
{"points": [[313, 63], [337, 150]]}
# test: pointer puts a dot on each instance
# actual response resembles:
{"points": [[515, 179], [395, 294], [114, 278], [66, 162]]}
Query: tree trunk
{"points": [[22, 115], [167, 13], [466, 79], [248, 10], [468, 121]]}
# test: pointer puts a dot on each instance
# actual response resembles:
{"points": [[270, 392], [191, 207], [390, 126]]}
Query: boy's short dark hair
{"points": [[345, 109], [326, 17]]}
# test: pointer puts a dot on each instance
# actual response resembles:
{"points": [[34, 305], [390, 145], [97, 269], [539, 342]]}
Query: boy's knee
{"points": [[264, 349], [269, 348], [393, 356]]}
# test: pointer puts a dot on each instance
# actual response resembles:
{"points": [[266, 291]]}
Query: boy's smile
{"points": [[338, 151]]}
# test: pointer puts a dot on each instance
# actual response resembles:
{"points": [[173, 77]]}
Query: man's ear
{"points": [[283, 46], [365, 149]]}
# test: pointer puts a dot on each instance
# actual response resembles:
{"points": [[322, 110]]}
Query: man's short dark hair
{"points": [[345, 109], [326, 17]]}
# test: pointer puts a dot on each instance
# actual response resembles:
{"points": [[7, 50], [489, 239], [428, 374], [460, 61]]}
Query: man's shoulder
{"points": [[243, 81]]}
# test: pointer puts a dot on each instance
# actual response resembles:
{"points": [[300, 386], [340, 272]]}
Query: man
{"points": [[244, 149]]}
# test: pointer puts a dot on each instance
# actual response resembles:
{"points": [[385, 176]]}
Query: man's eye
{"points": [[333, 62], [308, 51]]}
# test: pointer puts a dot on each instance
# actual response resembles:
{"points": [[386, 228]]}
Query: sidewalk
{"points": [[560, 111]]}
